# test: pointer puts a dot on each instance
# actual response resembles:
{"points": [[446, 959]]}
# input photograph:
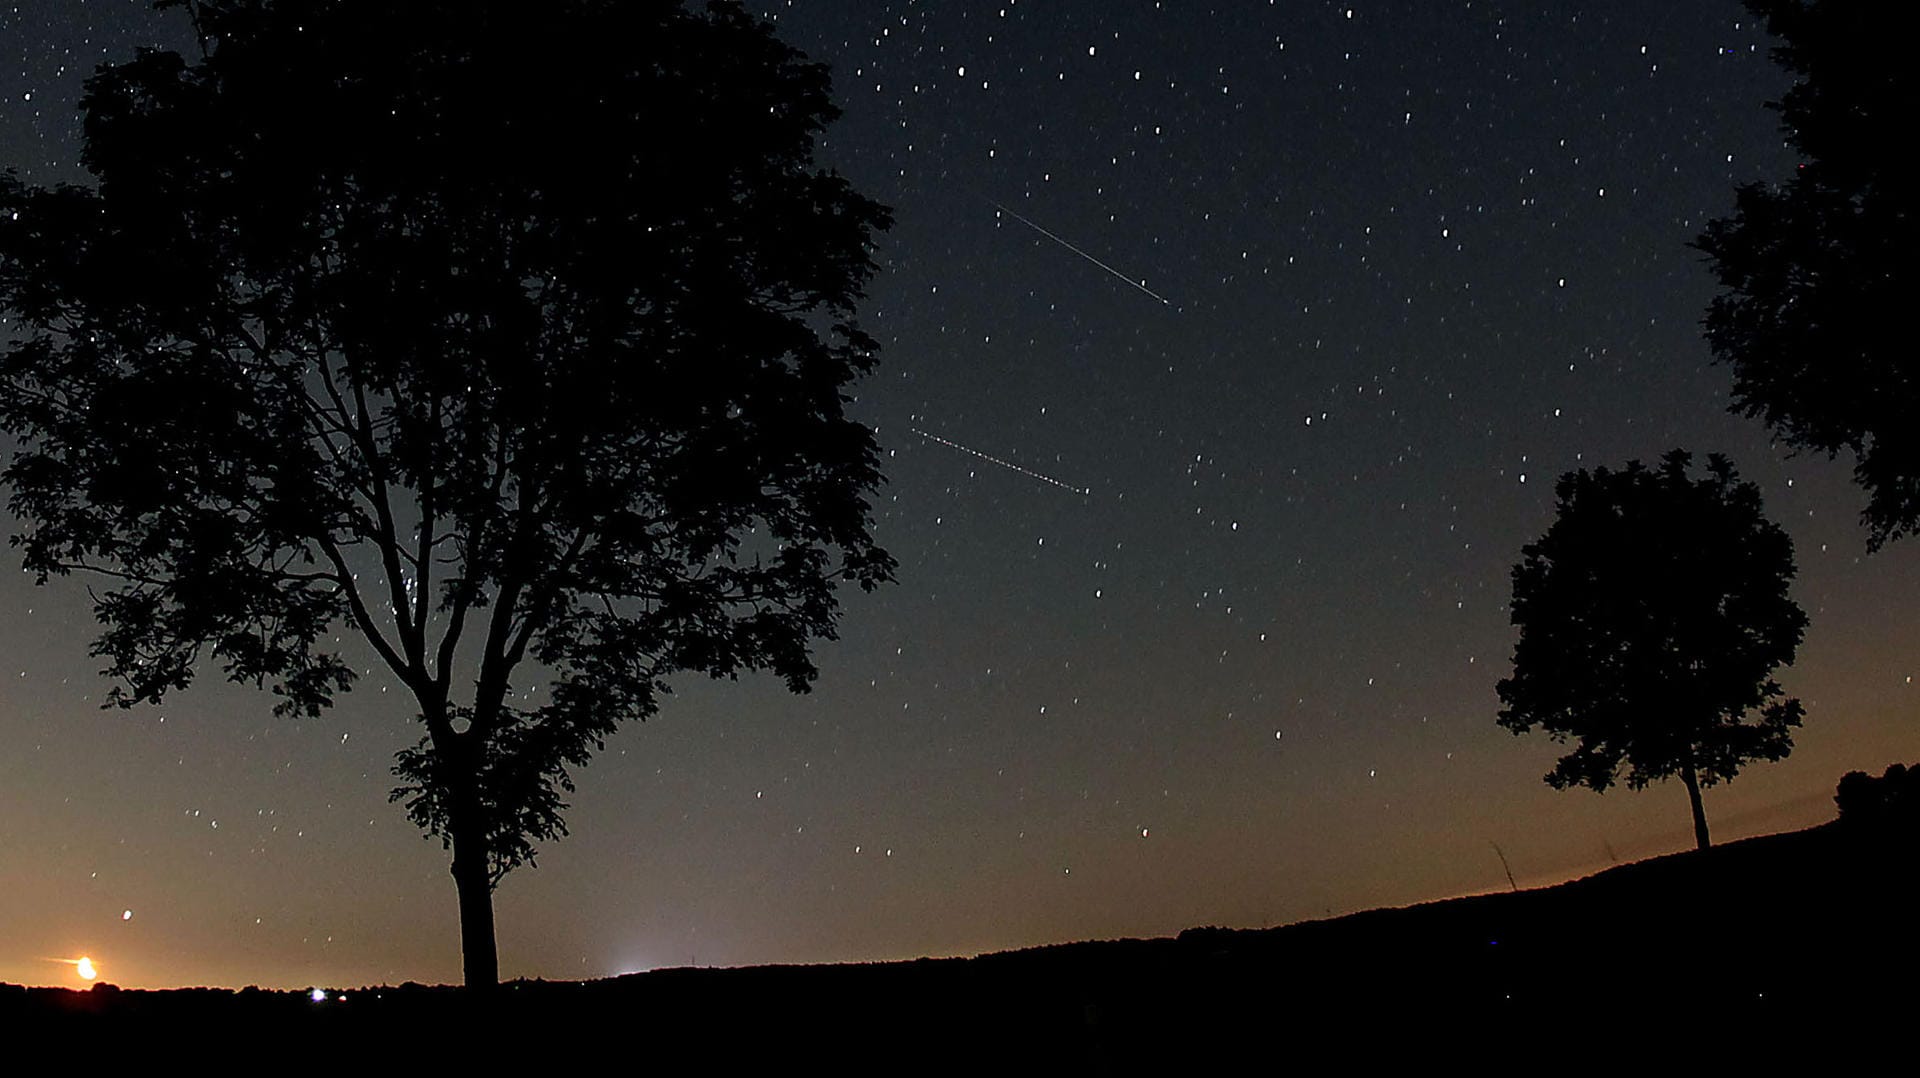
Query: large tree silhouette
{"points": [[517, 343], [1652, 615], [1818, 271]]}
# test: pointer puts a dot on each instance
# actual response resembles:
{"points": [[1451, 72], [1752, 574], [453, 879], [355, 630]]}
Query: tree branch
{"points": [[422, 561], [412, 637], [365, 619], [472, 548]]}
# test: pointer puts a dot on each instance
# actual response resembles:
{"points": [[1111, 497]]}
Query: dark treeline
{"points": [[1785, 938]]}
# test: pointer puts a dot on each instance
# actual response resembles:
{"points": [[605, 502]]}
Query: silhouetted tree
{"points": [[1893, 798], [516, 340], [1652, 614], [1818, 271]]}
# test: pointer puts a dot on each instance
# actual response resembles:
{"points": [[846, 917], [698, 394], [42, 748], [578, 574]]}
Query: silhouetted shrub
{"points": [[1892, 798]]}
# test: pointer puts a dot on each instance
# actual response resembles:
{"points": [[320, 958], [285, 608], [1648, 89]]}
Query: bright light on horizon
{"points": [[83, 966]]}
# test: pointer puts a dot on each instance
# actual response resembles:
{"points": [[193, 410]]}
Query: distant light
{"points": [[85, 969], [126, 915], [318, 995]]}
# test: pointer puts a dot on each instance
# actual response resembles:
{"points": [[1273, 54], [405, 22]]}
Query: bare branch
{"points": [[364, 619]]}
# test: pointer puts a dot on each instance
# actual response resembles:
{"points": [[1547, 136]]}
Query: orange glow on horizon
{"points": [[83, 966]]}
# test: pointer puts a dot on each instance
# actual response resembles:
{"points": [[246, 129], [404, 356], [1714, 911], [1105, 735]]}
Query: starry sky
{"points": [[1230, 352]]}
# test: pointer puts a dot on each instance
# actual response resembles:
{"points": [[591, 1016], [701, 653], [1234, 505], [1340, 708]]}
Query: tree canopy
{"points": [[1652, 615], [1890, 801], [519, 345], [1817, 270]]}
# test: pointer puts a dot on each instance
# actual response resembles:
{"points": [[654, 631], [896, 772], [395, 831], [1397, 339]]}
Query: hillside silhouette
{"points": [[1778, 939]]}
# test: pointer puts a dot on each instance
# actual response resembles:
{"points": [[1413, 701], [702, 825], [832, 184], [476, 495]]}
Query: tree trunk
{"points": [[1693, 794], [477, 949]]}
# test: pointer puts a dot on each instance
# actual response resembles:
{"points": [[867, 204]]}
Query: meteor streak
{"points": [[1029, 472], [1081, 253]]}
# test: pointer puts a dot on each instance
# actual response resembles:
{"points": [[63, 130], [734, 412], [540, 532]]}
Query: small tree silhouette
{"points": [[1652, 614], [1893, 798], [514, 340], [1818, 271]]}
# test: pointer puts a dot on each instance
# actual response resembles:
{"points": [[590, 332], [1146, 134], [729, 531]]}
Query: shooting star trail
{"points": [[1010, 466], [1081, 253]]}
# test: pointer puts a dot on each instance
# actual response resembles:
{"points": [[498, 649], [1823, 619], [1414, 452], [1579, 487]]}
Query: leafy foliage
{"points": [[1652, 614], [1892, 799], [500, 339], [1817, 271]]}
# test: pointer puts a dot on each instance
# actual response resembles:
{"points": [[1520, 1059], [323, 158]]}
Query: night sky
{"points": [[1204, 505]]}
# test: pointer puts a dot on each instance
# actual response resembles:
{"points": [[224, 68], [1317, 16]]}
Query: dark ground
{"points": [[1802, 940]]}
